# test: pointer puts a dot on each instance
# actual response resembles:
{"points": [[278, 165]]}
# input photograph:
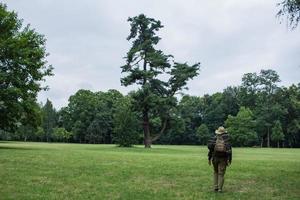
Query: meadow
{"points": [[83, 171]]}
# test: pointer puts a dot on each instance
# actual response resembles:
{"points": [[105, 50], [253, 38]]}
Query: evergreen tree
{"points": [[126, 124], [49, 119], [277, 133], [144, 65]]}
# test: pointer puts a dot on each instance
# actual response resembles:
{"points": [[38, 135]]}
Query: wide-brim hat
{"points": [[220, 130]]}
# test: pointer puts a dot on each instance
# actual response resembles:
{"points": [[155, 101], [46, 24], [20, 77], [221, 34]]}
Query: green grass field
{"points": [[81, 171]]}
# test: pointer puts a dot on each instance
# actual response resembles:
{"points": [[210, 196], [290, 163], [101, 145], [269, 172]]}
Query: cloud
{"points": [[87, 41]]}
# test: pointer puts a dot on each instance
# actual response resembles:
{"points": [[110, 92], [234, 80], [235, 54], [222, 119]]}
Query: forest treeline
{"points": [[256, 113]]}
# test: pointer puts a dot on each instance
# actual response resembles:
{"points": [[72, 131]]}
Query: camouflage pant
{"points": [[219, 165]]}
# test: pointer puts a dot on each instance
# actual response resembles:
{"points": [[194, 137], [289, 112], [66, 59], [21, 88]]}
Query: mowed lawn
{"points": [[83, 171]]}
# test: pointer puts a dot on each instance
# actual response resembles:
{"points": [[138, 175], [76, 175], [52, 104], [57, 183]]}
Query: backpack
{"points": [[220, 144]]}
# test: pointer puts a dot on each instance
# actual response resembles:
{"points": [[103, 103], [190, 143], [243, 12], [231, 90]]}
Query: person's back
{"points": [[220, 154]]}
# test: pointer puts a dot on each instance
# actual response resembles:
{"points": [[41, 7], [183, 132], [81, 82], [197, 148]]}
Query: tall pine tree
{"points": [[144, 66]]}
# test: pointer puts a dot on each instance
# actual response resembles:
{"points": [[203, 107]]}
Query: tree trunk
{"points": [[147, 138], [277, 144], [146, 127], [261, 142], [268, 138]]}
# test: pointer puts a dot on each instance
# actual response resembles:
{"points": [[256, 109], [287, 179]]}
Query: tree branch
{"points": [[164, 126]]}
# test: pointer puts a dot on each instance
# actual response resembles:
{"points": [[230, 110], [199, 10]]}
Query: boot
{"points": [[220, 182], [216, 182]]}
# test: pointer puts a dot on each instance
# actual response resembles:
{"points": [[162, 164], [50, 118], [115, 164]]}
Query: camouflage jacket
{"points": [[211, 146]]}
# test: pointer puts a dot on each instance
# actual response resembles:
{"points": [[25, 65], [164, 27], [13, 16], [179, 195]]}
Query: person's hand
{"points": [[228, 162], [209, 162]]}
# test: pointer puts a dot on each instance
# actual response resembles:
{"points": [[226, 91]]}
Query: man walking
{"points": [[220, 155]]}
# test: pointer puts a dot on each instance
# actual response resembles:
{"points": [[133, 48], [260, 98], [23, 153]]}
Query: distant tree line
{"points": [[256, 113]]}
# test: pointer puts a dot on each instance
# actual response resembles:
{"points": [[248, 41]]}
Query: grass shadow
{"points": [[16, 148]]}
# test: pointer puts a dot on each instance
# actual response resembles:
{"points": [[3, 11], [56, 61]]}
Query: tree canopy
{"points": [[242, 128], [290, 9], [23, 66]]}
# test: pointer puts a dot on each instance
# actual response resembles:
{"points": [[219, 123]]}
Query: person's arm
{"points": [[209, 155], [229, 154], [211, 146]]}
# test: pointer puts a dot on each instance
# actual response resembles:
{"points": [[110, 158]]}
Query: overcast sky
{"points": [[87, 41]]}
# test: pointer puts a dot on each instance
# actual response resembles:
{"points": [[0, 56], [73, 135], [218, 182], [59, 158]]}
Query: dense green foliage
{"points": [[242, 128], [61, 135], [126, 123], [203, 134], [22, 68], [277, 133], [89, 116], [75, 171], [49, 120]]}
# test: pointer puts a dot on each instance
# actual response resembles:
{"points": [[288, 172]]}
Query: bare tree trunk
{"points": [[147, 138], [277, 144], [268, 138], [261, 142], [146, 126]]}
